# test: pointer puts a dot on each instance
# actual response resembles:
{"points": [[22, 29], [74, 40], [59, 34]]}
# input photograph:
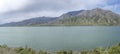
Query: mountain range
{"points": [[94, 17]]}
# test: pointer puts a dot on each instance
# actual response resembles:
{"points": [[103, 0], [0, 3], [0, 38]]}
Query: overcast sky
{"points": [[17, 10]]}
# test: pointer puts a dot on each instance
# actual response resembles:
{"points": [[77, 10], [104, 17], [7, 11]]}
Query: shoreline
{"points": [[4, 49]]}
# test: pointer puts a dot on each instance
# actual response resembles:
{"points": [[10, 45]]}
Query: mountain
{"points": [[71, 14], [94, 17], [31, 22]]}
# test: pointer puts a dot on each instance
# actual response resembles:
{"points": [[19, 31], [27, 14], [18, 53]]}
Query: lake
{"points": [[60, 38]]}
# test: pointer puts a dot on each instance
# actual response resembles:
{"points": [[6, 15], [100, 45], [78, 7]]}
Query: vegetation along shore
{"points": [[4, 49]]}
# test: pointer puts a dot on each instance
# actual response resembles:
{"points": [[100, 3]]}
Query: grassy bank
{"points": [[4, 49]]}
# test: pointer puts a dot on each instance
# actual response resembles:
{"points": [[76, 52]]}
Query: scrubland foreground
{"points": [[4, 49]]}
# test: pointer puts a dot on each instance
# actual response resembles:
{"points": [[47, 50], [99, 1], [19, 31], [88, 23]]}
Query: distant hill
{"points": [[31, 22], [94, 17]]}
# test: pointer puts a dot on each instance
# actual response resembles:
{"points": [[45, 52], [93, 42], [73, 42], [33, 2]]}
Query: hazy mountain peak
{"points": [[97, 9], [70, 14], [73, 13]]}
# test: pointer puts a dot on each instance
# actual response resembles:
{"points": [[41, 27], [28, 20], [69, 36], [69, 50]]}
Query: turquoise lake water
{"points": [[60, 38]]}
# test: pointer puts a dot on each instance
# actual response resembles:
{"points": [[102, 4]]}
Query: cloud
{"points": [[47, 5], [62, 5], [22, 16], [10, 5], [113, 5], [14, 10], [115, 8]]}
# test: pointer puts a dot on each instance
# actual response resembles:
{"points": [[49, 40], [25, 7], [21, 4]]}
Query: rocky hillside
{"points": [[94, 17], [90, 17]]}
